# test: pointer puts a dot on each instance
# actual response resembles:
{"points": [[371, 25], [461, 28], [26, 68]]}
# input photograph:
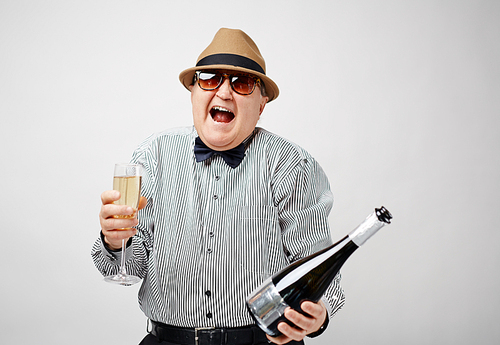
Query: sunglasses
{"points": [[240, 83]]}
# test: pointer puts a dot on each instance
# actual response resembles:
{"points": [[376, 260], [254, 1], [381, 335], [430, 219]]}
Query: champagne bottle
{"points": [[308, 278]]}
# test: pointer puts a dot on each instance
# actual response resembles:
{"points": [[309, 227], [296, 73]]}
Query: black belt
{"points": [[208, 336]]}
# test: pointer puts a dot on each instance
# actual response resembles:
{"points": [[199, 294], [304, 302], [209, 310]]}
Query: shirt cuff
{"points": [[114, 256], [327, 305], [321, 329]]}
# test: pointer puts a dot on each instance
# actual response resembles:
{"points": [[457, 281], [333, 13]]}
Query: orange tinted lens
{"points": [[209, 81], [243, 84]]}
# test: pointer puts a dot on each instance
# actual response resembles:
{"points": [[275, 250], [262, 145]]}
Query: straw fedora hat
{"points": [[232, 50]]}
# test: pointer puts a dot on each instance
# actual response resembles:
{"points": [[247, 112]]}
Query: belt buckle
{"points": [[200, 329]]}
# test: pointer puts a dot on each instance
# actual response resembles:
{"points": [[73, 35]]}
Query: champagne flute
{"points": [[126, 180]]}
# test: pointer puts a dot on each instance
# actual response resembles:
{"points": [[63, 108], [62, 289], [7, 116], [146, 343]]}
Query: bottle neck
{"points": [[367, 229]]}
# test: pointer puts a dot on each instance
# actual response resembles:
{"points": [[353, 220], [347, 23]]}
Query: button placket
{"points": [[208, 295], [215, 198], [216, 195], [209, 245], [213, 206]]}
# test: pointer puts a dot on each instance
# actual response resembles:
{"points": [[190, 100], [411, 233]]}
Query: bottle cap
{"points": [[383, 215]]}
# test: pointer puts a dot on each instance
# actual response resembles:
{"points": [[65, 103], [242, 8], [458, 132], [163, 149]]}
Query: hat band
{"points": [[231, 59]]}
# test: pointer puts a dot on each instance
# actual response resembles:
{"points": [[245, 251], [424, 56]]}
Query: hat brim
{"points": [[272, 90]]}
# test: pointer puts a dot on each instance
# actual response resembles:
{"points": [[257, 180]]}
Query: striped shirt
{"points": [[210, 234]]}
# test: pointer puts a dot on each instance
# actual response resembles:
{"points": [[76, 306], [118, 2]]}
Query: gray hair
{"points": [[263, 91]]}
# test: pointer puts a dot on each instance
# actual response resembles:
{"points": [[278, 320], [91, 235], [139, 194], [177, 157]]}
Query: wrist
{"points": [[321, 329], [109, 246]]}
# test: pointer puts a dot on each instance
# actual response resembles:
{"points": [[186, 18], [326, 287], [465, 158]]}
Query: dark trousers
{"points": [[152, 340]]}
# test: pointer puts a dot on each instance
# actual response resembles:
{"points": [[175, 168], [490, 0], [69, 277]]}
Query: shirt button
{"points": [[209, 315]]}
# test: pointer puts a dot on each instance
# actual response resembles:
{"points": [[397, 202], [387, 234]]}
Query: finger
{"points": [[318, 313], [109, 196], [313, 309], [290, 332], [282, 339], [142, 203], [114, 238], [120, 211], [303, 323], [118, 235], [111, 223]]}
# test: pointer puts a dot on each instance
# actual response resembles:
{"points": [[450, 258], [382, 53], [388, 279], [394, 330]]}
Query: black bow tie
{"points": [[232, 157]]}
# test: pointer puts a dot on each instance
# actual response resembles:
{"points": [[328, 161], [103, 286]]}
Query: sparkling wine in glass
{"points": [[126, 180]]}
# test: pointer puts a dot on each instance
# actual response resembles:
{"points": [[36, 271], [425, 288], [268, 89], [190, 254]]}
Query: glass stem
{"points": [[123, 271]]}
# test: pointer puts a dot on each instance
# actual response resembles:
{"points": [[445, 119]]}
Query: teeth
{"points": [[221, 109]]}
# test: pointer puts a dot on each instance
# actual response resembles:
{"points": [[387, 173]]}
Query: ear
{"points": [[263, 103], [193, 91]]}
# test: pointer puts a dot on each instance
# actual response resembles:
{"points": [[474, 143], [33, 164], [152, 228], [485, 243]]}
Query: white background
{"points": [[399, 101]]}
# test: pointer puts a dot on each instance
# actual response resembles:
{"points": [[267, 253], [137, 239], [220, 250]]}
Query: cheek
{"points": [[252, 119], [256, 111], [198, 103]]}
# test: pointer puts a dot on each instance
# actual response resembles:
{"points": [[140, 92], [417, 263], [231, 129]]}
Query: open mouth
{"points": [[220, 114]]}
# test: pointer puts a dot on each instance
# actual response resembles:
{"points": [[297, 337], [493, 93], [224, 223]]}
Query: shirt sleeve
{"points": [[304, 200]]}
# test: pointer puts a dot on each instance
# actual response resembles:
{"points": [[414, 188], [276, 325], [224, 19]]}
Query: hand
{"points": [[116, 229], [304, 325]]}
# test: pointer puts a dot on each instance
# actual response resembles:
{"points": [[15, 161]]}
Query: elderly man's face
{"points": [[224, 118]]}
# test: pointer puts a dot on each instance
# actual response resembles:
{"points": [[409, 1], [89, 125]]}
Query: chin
{"points": [[216, 141]]}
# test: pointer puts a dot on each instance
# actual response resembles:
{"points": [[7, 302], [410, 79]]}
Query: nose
{"points": [[224, 91]]}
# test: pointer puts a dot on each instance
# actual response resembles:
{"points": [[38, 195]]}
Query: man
{"points": [[228, 204]]}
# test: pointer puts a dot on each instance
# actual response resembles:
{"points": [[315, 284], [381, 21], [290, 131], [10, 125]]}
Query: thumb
{"points": [[142, 203]]}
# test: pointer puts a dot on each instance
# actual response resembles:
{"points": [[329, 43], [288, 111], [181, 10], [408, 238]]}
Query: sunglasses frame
{"points": [[229, 76]]}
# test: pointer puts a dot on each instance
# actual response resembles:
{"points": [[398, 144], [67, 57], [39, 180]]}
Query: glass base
{"points": [[122, 279]]}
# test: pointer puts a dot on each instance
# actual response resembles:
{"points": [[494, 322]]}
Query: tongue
{"points": [[222, 116]]}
